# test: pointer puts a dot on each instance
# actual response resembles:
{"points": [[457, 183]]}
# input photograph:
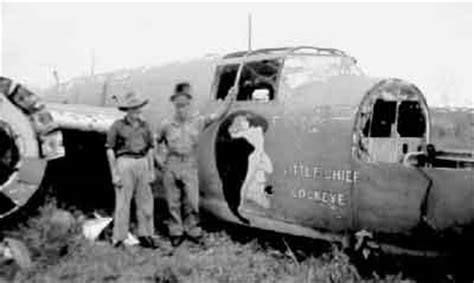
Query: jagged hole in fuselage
{"points": [[9, 158], [232, 164], [9, 153]]}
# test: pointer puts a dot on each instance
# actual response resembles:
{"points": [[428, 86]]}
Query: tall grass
{"points": [[61, 254]]}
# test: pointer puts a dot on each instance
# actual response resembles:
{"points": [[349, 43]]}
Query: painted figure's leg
{"points": [[245, 193]]}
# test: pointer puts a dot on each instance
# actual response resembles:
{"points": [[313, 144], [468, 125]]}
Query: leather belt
{"points": [[129, 155], [179, 156]]}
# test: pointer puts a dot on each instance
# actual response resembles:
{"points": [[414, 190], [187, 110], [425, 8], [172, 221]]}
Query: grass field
{"points": [[229, 254]]}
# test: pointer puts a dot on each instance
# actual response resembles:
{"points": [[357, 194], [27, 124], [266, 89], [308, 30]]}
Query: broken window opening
{"points": [[227, 75], [411, 121], [389, 130], [391, 124], [381, 122], [259, 75], [258, 80], [9, 152]]}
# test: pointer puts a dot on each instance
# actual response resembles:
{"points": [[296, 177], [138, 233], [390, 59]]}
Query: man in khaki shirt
{"points": [[130, 153], [178, 141]]}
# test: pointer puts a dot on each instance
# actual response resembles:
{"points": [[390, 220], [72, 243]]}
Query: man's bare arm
{"points": [[113, 167], [150, 156], [111, 140], [229, 100], [160, 145]]}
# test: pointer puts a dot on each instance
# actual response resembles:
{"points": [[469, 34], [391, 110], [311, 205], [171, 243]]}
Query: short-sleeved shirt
{"points": [[130, 139], [181, 137]]}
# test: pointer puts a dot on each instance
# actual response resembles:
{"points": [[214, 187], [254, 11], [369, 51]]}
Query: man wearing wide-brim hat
{"points": [[178, 140], [130, 153]]}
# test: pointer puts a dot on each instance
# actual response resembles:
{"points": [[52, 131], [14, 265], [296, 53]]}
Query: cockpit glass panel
{"points": [[301, 71], [258, 80]]}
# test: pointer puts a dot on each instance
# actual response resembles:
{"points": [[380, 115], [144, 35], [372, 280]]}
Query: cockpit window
{"points": [[383, 118], [258, 80], [411, 121], [226, 75], [391, 123]]}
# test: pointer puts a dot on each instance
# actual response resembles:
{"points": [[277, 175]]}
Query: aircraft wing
{"points": [[84, 117]]}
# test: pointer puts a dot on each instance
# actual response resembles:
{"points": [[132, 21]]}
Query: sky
{"points": [[429, 44]]}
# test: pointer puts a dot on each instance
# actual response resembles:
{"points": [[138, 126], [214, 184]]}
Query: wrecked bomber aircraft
{"points": [[312, 147]]}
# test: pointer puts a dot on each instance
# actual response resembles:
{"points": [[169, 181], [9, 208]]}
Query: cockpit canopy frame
{"points": [[262, 69]]}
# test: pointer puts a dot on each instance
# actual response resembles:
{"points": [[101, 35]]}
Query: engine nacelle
{"points": [[29, 137]]}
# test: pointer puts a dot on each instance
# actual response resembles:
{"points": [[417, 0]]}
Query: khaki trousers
{"points": [[182, 196], [134, 174]]}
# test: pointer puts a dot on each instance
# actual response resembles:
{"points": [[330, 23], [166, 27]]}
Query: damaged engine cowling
{"points": [[29, 137], [56, 147]]}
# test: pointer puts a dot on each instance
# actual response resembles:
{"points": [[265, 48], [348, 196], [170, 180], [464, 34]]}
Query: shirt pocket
{"points": [[194, 135], [173, 136]]}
